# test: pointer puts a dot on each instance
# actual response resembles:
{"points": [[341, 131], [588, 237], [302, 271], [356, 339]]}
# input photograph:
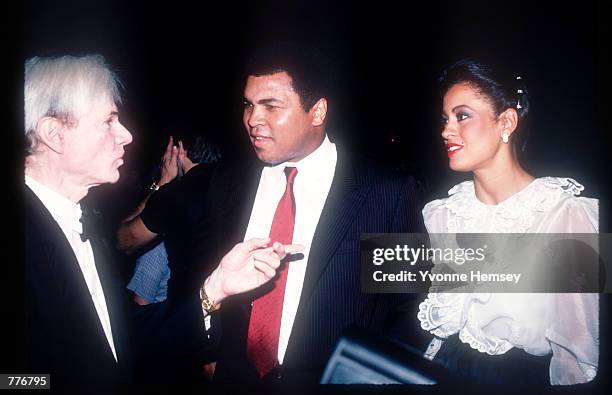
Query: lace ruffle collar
{"points": [[513, 215]]}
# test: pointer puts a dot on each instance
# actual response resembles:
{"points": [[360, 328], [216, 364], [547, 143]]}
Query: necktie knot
{"points": [[290, 173]]}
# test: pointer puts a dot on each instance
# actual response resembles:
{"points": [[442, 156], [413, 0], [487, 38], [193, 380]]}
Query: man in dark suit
{"points": [[286, 330], [73, 328]]}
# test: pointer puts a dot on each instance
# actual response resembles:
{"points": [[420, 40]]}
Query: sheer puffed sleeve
{"points": [[434, 213], [573, 215], [574, 332]]}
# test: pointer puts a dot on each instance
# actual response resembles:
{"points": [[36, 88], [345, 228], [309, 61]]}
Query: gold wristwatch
{"points": [[208, 304]]}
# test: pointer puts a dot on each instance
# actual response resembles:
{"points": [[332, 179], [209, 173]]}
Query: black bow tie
{"points": [[88, 220], [86, 231]]}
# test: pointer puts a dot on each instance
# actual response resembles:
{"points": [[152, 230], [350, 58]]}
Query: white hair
{"points": [[65, 88]]}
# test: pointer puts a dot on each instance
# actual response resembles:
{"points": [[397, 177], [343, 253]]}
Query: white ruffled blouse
{"points": [[566, 324]]}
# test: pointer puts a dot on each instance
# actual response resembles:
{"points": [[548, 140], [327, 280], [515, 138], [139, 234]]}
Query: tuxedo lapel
{"points": [[62, 251], [62, 321], [67, 263], [112, 290]]}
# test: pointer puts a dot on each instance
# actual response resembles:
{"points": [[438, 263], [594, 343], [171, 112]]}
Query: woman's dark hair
{"points": [[501, 88]]}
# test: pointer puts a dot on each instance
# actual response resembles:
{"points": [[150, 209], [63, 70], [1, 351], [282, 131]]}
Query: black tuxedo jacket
{"points": [[63, 334], [362, 199]]}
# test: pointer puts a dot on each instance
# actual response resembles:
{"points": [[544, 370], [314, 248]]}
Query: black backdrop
{"points": [[180, 66]]}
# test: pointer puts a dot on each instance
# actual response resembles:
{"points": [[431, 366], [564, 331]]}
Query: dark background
{"points": [[180, 64]]}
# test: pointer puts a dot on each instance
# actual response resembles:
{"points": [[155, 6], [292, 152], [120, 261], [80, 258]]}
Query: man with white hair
{"points": [[73, 328], [74, 142]]}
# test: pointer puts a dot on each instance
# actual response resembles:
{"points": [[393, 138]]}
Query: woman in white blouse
{"points": [[506, 337]]}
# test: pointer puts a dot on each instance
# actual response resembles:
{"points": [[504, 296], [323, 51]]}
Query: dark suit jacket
{"points": [[63, 334], [362, 199]]}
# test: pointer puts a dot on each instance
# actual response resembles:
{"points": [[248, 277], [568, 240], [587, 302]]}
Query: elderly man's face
{"points": [[279, 128], [93, 150]]}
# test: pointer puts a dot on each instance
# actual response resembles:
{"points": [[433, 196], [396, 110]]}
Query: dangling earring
{"points": [[505, 138]]}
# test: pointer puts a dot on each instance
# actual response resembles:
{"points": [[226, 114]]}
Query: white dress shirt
{"points": [[310, 188], [67, 215]]}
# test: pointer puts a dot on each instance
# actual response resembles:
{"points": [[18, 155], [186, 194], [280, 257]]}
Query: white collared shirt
{"points": [[67, 215], [310, 188]]}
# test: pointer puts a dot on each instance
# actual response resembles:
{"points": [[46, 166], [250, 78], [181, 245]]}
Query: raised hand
{"points": [[169, 168], [183, 159]]}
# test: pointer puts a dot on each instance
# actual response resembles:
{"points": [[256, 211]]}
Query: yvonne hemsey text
{"points": [[426, 275]]}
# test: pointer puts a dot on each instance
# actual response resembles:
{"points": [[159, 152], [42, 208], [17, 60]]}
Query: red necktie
{"points": [[264, 325]]}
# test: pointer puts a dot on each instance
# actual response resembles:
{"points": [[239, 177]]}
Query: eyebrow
{"points": [[461, 105], [113, 114], [264, 101], [454, 109]]}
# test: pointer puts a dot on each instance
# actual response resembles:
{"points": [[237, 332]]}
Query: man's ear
{"points": [[319, 112], [50, 132], [508, 121]]}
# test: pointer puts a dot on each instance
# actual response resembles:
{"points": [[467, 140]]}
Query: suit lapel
{"points": [[344, 199], [240, 200], [235, 205]]}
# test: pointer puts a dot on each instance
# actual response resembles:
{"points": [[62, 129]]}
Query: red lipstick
{"points": [[452, 148]]}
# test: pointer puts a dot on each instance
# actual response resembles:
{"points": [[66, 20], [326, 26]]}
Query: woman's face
{"points": [[471, 130]]}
